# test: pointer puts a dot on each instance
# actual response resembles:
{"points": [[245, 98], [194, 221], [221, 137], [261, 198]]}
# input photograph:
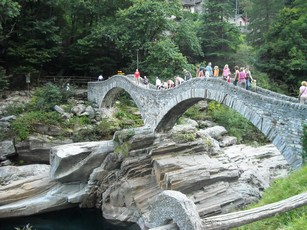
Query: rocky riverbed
{"points": [[125, 176]]}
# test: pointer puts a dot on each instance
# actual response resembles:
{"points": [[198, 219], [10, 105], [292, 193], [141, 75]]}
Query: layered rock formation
{"points": [[126, 176]]}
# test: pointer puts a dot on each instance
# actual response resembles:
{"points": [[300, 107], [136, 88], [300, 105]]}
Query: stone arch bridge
{"points": [[280, 118]]}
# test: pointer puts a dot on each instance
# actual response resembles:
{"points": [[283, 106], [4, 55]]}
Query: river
{"points": [[70, 219]]}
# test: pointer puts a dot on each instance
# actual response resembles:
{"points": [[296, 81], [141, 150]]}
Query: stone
{"points": [[7, 149], [90, 111], [78, 109], [59, 109], [172, 226], [62, 111], [185, 128], [228, 141], [206, 124], [20, 182], [37, 148], [5, 125], [8, 118], [50, 130], [28, 190], [5, 163], [173, 205], [215, 132], [75, 162]]}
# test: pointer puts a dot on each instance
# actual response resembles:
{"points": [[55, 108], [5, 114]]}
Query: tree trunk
{"points": [[240, 218]]}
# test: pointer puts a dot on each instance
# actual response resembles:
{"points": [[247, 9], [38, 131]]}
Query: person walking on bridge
{"points": [[209, 70], [178, 80], [216, 71], [226, 73], [158, 83], [237, 75], [171, 84], [187, 75], [146, 82], [137, 76], [242, 78], [303, 93], [249, 78], [100, 77]]}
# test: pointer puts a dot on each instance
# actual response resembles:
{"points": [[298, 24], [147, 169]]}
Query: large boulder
{"points": [[215, 132], [37, 148], [20, 182], [75, 162], [177, 207], [28, 190]]}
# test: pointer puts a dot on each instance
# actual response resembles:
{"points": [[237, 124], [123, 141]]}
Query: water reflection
{"points": [[70, 219]]}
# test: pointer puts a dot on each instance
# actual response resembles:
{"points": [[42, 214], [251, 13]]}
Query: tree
{"points": [[261, 15], [9, 11], [219, 37], [283, 56], [164, 59], [35, 41], [147, 26], [186, 38]]}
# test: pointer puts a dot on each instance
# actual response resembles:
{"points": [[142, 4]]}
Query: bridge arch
{"points": [[111, 96], [277, 117]]}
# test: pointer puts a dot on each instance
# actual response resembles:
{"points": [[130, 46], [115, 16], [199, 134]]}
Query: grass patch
{"points": [[281, 189]]}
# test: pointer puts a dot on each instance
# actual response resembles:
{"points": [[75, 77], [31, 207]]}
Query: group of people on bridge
{"points": [[242, 77]]}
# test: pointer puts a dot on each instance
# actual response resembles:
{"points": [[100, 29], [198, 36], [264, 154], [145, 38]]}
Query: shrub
{"points": [[78, 121], [23, 125], [45, 98], [235, 123], [122, 141], [15, 109], [264, 81], [195, 113], [184, 137], [99, 132]]}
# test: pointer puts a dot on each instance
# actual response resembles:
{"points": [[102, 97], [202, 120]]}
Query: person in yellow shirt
{"points": [[216, 71]]}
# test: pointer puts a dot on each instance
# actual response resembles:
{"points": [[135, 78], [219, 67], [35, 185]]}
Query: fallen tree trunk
{"points": [[240, 218]]}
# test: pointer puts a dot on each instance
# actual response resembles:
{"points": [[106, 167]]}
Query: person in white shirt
{"points": [[178, 80], [158, 83]]}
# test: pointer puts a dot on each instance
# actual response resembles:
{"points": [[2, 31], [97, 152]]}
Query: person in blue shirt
{"points": [[209, 69]]}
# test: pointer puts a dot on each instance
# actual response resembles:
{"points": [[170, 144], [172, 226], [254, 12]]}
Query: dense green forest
{"points": [[92, 37]]}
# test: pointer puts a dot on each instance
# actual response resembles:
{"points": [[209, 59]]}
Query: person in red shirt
{"points": [[137, 76]]}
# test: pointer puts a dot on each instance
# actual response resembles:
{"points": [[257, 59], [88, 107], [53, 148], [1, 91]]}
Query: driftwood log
{"points": [[240, 218]]}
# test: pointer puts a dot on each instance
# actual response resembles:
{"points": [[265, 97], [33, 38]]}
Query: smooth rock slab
{"points": [[173, 205], [28, 190]]}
